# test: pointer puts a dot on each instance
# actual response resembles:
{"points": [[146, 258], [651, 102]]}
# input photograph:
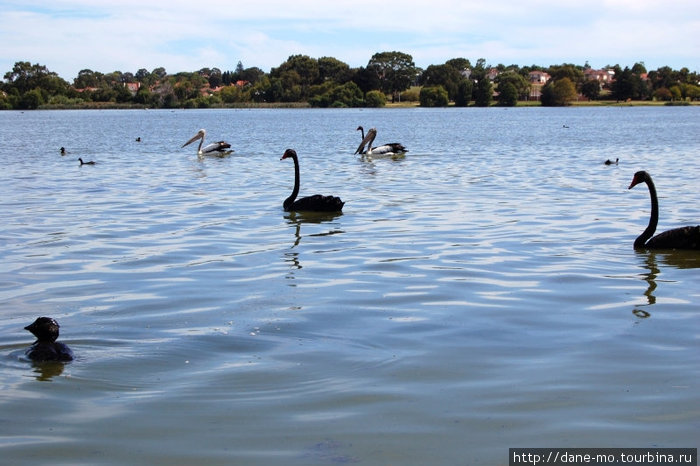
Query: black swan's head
{"points": [[44, 329], [289, 153], [639, 177]]}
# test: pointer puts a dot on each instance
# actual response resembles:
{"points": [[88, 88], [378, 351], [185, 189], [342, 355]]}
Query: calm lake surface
{"points": [[478, 294]]}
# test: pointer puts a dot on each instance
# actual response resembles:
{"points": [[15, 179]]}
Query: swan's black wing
{"points": [[316, 203], [678, 238]]}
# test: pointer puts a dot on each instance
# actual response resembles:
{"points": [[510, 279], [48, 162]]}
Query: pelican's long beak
{"points": [[199, 135], [368, 139]]}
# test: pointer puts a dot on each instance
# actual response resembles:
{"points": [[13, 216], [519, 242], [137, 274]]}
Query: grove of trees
{"points": [[329, 82]]}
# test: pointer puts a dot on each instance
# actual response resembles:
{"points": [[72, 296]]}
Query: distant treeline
{"points": [[328, 82]]}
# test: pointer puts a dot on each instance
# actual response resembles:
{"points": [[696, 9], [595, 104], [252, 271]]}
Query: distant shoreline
{"points": [[288, 105]]}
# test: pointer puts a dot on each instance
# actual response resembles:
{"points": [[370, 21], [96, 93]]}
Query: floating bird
{"points": [[46, 348], [610, 162], [315, 203], [678, 238], [138, 139], [63, 151], [392, 148], [219, 147], [86, 163]]}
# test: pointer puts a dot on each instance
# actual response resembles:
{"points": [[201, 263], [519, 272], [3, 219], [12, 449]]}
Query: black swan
{"points": [[219, 147], [392, 148], [86, 163], [678, 238], [610, 162], [315, 203], [46, 348]]}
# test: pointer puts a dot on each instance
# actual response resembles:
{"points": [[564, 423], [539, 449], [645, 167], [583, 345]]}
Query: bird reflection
{"points": [[47, 370], [680, 259], [291, 256]]}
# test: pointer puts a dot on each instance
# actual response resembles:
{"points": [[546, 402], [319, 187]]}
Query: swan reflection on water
{"points": [[678, 259], [297, 219]]}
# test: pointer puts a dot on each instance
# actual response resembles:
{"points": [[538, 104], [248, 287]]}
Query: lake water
{"points": [[478, 294]]}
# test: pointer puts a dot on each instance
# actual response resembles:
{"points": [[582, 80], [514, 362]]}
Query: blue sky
{"points": [[125, 35]]}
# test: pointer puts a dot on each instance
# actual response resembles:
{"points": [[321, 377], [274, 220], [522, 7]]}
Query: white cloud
{"points": [[70, 35]]}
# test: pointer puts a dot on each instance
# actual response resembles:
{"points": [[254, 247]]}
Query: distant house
{"points": [[537, 80], [133, 87], [603, 76], [539, 77], [493, 72]]}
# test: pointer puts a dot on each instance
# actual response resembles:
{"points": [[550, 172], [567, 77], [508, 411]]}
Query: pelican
{"points": [[215, 148], [392, 148]]}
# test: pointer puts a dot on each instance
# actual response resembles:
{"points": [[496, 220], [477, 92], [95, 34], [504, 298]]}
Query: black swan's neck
{"points": [[295, 192], [653, 219]]}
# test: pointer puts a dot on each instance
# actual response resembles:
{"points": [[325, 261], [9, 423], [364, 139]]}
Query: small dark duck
{"points": [[46, 348]]}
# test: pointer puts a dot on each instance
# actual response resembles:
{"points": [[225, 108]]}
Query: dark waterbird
{"points": [[678, 238], [610, 162], [315, 203], [46, 348], [86, 163]]}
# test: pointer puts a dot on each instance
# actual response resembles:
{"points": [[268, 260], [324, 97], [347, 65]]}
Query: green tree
{"points": [[88, 78], [558, 93], [375, 99], [515, 79], [675, 92], [252, 75], [36, 79], [483, 93], [663, 94], [591, 89], [691, 91], [464, 93], [31, 100], [572, 72], [507, 94], [297, 74], [442, 75], [331, 94], [434, 96], [366, 79], [333, 69], [144, 96], [215, 78], [626, 85], [394, 70], [231, 94], [639, 68], [460, 64]]}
